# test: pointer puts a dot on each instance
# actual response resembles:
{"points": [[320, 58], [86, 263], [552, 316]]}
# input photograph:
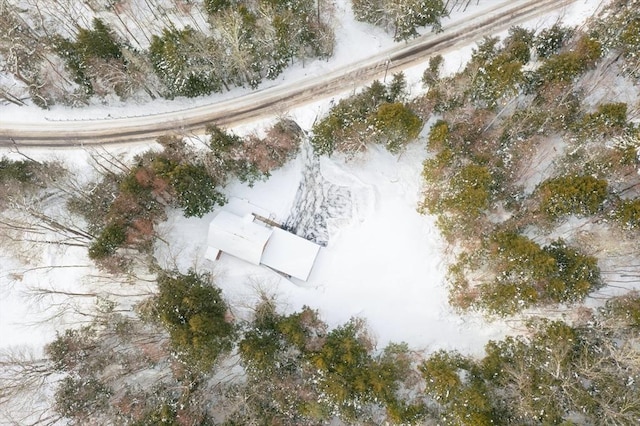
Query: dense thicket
{"points": [[556, 374], [377, 114], [518, 152], [401, 17]]}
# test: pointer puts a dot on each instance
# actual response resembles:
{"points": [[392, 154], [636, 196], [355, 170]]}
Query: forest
{"points": [[532, 174], [172, 48]]}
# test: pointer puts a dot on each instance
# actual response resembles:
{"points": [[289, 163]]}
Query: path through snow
{"points": [[327, 199]]}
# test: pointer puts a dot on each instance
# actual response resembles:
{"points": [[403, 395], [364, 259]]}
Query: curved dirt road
{"points": [[284, 97]]}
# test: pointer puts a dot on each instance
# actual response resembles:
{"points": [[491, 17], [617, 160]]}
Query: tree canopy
{"points": [[196, 316]]}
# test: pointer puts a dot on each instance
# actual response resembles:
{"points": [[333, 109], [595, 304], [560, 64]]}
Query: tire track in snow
{"points": [[327, 199]]}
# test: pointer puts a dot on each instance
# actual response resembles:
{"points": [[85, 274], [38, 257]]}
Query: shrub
{"points": [[432, 73], [348, 126], [195, 189], [112, 237], [401, 17], [469, 191], [438, 135], [349, 375], [453, 382], [196, 316], [19, 171], [184, 69], [608, 120], [627, 214], [575, 275], [579, 195], [527, 274], [80, 398], [497, 79], [624, 310], [566, 66], [517, 45], [550, 40], [396, 125], [91, 44]]}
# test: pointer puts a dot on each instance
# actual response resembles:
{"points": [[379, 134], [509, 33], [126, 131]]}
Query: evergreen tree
{"points": [[196, 317]]}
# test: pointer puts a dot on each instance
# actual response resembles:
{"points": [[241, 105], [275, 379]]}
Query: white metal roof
{"points": [[290, 254], [238, 236]]}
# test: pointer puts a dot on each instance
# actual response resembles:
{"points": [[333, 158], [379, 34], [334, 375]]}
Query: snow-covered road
{"points": [[273, 101]]}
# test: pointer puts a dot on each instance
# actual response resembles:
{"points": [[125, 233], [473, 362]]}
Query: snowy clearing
{"points": [[383, 261]]}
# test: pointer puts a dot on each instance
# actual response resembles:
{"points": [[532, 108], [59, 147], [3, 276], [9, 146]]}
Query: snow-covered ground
{"points": [[383, 261]]}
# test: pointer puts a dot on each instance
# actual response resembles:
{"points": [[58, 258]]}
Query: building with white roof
{"points": [[258, 244]]}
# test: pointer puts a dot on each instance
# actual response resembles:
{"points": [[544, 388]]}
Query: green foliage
{"points": [[397, 88], [559, 371], [229, 152], [343, 129], [195, 189], [432, 74], [196, 317], [71, 349], [537, 368], [349, 375], [123, 208], [418, 13], [183, 67], [221, 141], [275, 342], [128, 219], [627, 214], [527, 274], [517, 45], [401, 17], [608, 120], [274, 351], [486, 50], [497, 71], [624, 310], [550, 40], [439, 135], [248, 42], [564, 67], [80, 398], [312, 375], [396, 125], [469, 192], [575, 275], [164, 415], [619, 31], [97, 43], [401, 412], [90, 44], [442, 375], [347, 127], [342, 358], [112, 237], [453, 382], [21, 171], [261, 345], [497, 79], [578, 195], [215, 6]]}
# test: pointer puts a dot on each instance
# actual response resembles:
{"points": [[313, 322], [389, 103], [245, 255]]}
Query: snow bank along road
{"points": [[278, 99]]}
